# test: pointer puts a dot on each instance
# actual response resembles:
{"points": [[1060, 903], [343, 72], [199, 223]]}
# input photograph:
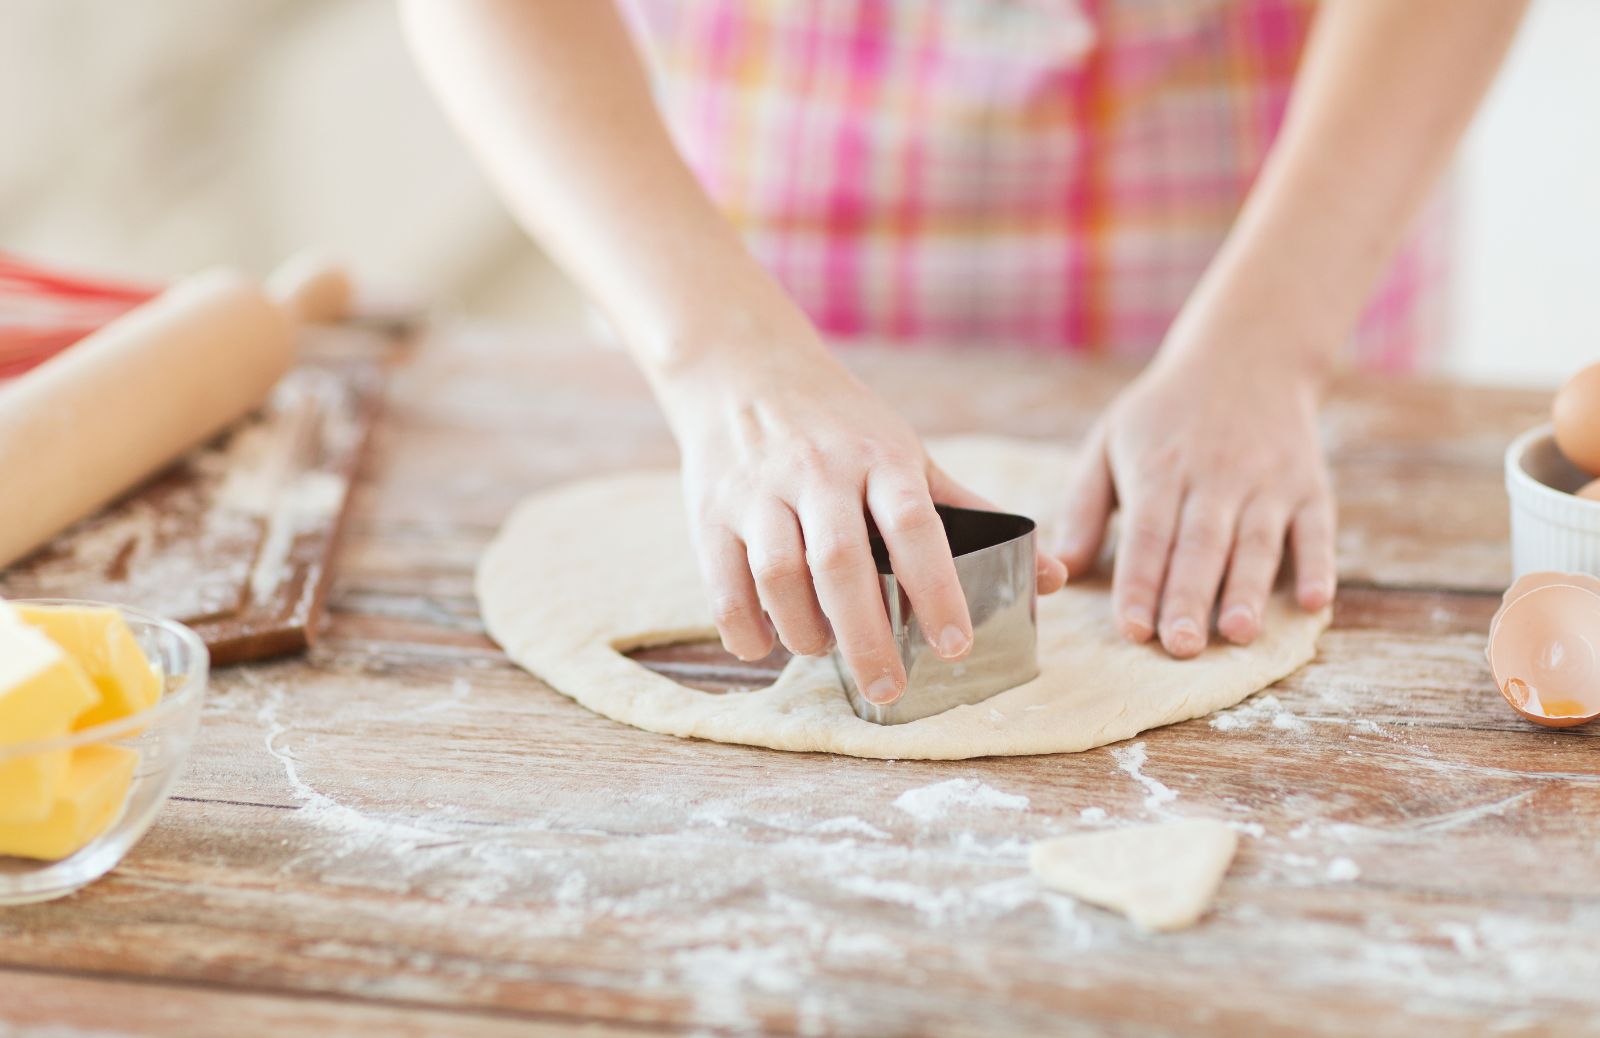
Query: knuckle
{"points": [[778, 568], [1182, 604], [809, 460], [908, 512], [1259, 540], [1146, 541], [1208, 534], [1158, 463], [834, 557], [1139, 587], [732, 612], [939, 588], [713, 527], [805, 639], [882, 453], [865, 655]]}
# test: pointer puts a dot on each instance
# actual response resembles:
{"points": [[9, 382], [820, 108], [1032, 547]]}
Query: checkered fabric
{"points": [[1043, 174]]}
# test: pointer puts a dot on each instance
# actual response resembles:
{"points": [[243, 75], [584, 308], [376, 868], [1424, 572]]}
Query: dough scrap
{"points": [[1163, 877], [584, 572]]}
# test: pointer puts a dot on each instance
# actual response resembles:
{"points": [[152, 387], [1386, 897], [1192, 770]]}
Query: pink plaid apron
{"points": [[1043, 174]]}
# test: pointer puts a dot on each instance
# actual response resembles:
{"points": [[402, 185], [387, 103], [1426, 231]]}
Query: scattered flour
{"points": [[1092, 815], [358, 831], [851, 825], [460, 689], [1343, 870], [1132, 759], [1264, 709], [863, 946], [930, 803], [1463, 937], [720, 979], [937, 906]]}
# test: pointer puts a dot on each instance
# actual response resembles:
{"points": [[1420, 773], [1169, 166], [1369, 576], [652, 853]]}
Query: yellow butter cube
{"points": [[89, 799], [28, 785], [99, 639], [42, 691]]}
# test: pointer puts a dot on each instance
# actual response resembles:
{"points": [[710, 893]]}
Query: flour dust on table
{"points": [[585, 572]]}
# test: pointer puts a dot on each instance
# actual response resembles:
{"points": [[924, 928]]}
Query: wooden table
{"points": [[404, 834]]}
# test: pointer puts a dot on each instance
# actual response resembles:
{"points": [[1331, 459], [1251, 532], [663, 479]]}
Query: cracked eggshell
{"points": [[1544, 649], [1532, 581]]}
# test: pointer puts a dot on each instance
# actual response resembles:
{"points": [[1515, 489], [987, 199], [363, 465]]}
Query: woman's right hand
{"points": [[783, 463]]}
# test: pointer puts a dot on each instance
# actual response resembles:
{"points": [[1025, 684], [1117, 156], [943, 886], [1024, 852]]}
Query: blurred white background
{"points": [[158, 136]]}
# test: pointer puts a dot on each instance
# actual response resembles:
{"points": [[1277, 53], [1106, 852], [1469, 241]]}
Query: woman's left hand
{"points": [[1213, 462]]}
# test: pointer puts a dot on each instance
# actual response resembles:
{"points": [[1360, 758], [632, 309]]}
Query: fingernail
{"points": [[1138, 622], [1237, 618], [953, 642], [883, 691], [1183, 635], [1316, 591]]}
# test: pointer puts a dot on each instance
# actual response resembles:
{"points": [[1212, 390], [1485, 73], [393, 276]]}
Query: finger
{"points": [[777, 557], [1257, 553], [735, 606], [1199, 558], [1091, 496], [1050, 574], [846, 580], [919, 550], [1312, 538], [1149, 522]]}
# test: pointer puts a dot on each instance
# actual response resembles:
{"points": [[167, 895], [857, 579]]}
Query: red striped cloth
{"points": [[43, 311], [1032, 173]]}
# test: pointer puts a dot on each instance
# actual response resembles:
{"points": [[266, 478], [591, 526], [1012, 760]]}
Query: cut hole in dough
{"points": [[705, 665]]}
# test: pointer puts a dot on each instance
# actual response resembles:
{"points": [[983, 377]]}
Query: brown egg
{"points": [[1591, 491], [1544, 649], [1577, 419]]}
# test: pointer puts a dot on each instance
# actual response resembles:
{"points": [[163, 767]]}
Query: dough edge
{"points": [[617, 584]]}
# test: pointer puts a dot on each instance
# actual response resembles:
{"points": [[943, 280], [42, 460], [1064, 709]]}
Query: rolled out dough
{"points": [[1163, 876], [585, 572]]}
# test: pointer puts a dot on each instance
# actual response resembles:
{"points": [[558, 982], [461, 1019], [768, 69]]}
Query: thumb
{"points": [[1050, 574], [1090, 497]]}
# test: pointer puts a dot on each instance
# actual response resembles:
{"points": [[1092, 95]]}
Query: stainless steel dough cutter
{"points": [[994, 557]]}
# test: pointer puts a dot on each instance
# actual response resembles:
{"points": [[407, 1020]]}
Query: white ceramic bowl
{"points": [[161, 736], [1551, 528]]}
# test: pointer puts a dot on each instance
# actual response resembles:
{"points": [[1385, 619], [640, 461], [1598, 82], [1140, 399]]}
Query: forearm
{"points": [[553, 99], [1384, 93]]}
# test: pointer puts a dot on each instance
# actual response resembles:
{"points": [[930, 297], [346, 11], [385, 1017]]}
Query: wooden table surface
{"points": [[404, 834]]}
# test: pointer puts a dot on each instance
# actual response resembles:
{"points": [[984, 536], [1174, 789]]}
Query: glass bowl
{"points": [[160, 737]]}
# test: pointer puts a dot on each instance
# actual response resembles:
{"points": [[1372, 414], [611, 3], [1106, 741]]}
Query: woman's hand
{"points": [[1212, 463], [783, 465]]}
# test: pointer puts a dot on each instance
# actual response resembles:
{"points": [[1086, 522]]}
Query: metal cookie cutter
{"points": [[994, 558]]}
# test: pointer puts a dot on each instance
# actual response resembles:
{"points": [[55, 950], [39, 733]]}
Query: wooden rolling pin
{"points": [[132, 397]]}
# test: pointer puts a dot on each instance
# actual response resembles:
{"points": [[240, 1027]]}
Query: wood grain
{"points": [[402, 830]]}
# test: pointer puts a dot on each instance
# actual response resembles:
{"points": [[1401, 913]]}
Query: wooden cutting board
{"points": [[237, 539]]}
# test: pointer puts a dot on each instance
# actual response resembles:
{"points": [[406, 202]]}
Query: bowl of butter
{"points": [[99, 705]]}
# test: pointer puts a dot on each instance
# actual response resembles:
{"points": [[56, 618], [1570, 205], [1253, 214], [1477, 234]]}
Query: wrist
{"points": [[738, 360], [1258, 324]]}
